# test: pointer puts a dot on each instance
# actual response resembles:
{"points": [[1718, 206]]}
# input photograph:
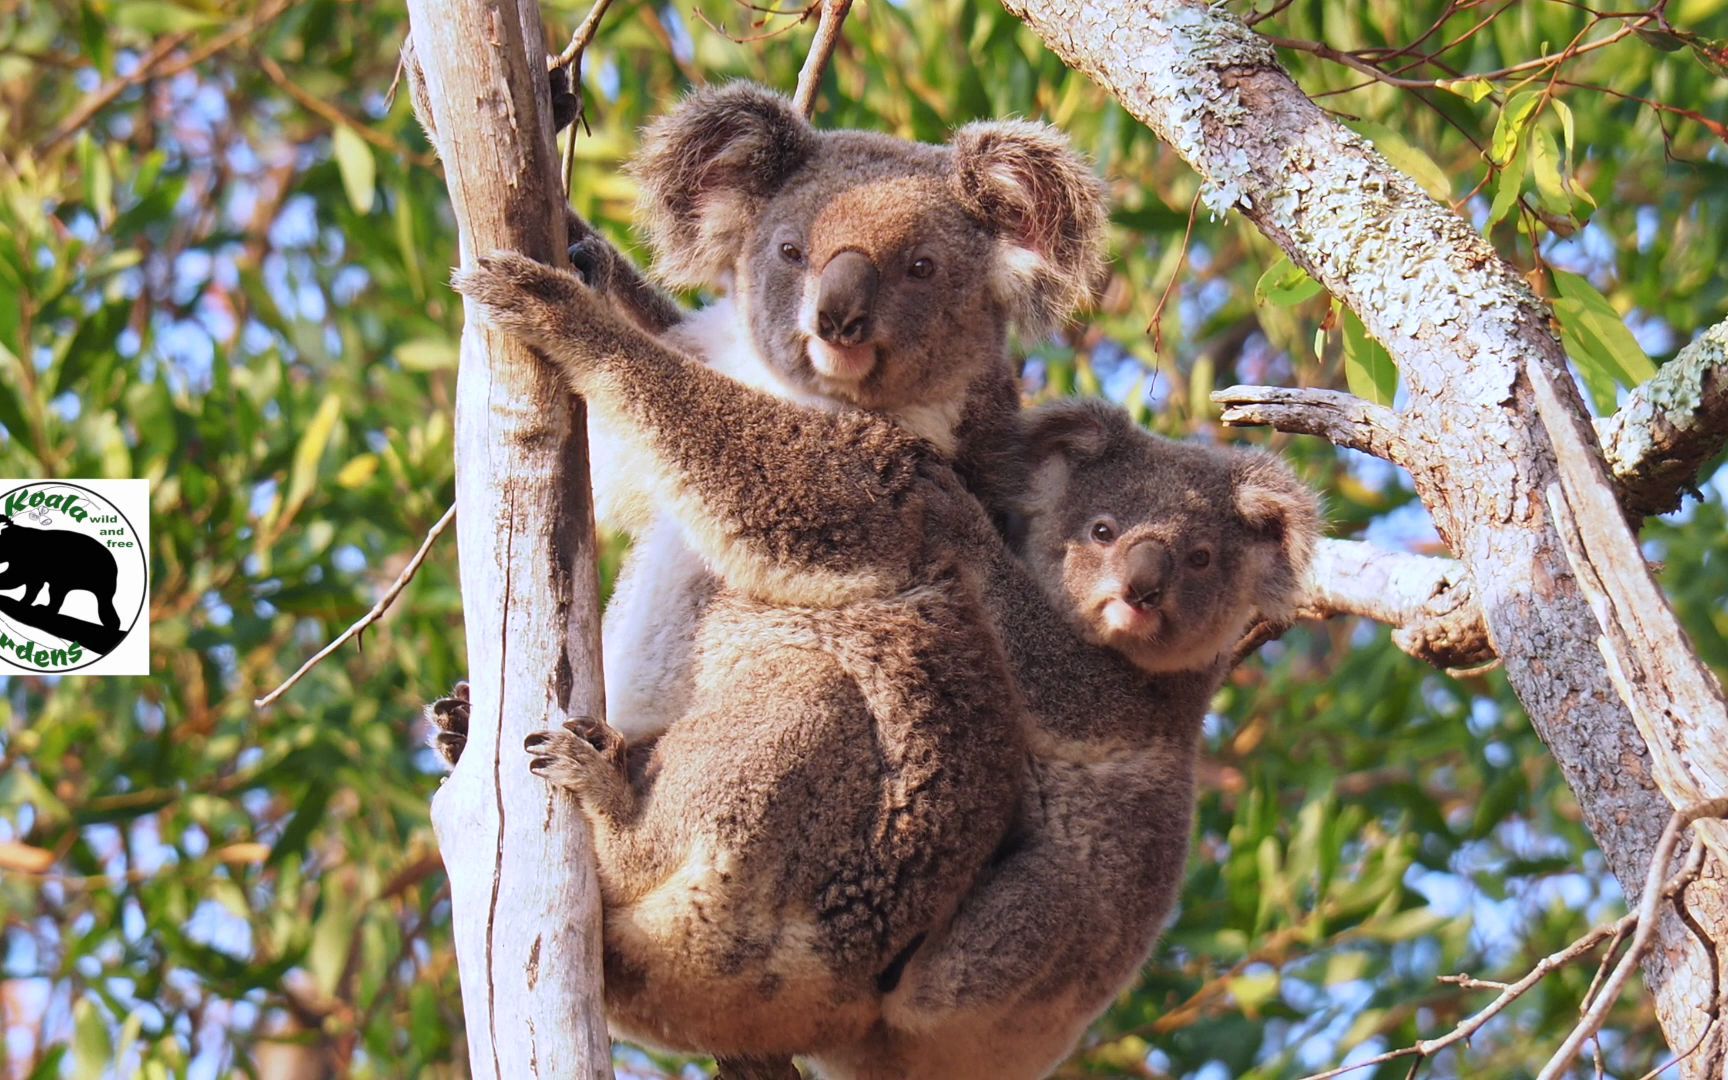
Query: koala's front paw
{"points": [[586, 758], [525, 299], [449, 719], [591, 258]]}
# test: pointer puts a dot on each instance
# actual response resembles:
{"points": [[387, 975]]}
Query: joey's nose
{"points": [[1147, 573], [845, 294]]}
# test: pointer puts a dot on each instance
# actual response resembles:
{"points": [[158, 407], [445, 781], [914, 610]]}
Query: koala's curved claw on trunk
{"points": [[569, 760], [449, 719]]}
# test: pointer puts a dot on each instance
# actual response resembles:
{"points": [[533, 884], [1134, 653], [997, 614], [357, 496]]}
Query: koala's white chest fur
{"points": [[665, 585]]}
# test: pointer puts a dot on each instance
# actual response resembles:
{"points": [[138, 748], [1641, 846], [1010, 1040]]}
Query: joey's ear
{"points": [[1047, 207], [1079, 429], [1277, 508], [705, 169]]}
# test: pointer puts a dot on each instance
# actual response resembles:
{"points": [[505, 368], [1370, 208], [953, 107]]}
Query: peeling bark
{"points": [[1466, 333], [526, 906]]}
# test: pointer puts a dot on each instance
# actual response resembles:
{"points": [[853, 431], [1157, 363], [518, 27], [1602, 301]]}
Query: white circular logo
{"points": [[74, 574]]}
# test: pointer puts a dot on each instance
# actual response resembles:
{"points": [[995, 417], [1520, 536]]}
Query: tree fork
{"points": [[1468, 336], [525, 901]]}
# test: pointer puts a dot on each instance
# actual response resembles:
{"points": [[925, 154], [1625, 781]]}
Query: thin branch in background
{"points": [[104, 95], [1156, 326], [155, 65], [1653, 893], [370, 617], [821, 50], [571, 60], [335, 117], [1712, 1033], [803, 16]]}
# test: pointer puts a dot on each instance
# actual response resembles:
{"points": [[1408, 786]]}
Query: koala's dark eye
{"points": [[1200, 558], [1103, 530], [792, 253], [922, 268]]}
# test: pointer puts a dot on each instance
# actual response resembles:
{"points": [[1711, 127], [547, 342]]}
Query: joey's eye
{"points": [[922, 268], [1200, 558], [1103, 530], [792, 253]]}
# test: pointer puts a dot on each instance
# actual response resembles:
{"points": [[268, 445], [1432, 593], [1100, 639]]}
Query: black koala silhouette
{"points": [[61, 559]]}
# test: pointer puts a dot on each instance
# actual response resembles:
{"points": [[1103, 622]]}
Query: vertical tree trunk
{"points": [[1474, 350], [525, 900]]}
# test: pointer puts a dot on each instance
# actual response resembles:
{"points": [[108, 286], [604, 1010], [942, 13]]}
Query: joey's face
{"points": [[866, 282], [1167, 551]]}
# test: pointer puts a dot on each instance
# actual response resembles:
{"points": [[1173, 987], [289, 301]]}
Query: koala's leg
{"points": [[755, 481], [56, 593], [634, 848], [449, 719]]}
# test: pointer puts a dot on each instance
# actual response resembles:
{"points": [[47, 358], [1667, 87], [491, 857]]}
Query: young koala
{"points": [[1145, 560], [848, 756], [859, 271]]}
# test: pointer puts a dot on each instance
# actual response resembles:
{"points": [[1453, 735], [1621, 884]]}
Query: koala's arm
{"points": [[790, 504]]}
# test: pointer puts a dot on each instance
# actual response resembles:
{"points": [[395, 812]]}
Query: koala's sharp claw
{"points": [[588, 258], [534, 741]]}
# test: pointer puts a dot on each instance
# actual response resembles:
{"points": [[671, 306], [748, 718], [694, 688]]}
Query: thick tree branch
{"points": [[1428, 602], [525, 903], [1671, 426], [1466, 332]]}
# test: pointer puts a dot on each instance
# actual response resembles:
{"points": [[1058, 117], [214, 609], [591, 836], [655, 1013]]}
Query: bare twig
{"points": [[821, 49], [370, 617], [1339, 418], [571, 60], [584, 34], [1156, 325], [1646, 915], [1546, 966], [803, 15], [1539, 64]]}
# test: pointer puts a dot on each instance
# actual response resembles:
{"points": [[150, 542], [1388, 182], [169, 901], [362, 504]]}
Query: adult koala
{"points": [[859, 270], [844, 735]]}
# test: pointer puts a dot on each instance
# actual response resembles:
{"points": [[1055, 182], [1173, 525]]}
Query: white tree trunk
{"points": [[526, 905], [1472, 345]]}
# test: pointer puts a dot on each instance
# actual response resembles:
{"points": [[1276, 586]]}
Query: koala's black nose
{"points": [[845, 294], [1146, 573]]}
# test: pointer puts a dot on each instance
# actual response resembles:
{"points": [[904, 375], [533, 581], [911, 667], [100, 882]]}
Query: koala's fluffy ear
{"points": [[1079, 429], [704, 170], [1279, 509], [1044, 202]]}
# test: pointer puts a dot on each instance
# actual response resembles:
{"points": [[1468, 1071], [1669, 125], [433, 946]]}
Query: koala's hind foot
{"points": [[566, 102], [449, 719], [586, 758]]}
